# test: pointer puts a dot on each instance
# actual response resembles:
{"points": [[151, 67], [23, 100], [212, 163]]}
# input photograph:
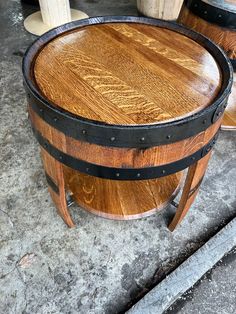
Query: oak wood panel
{"points": [[123, 157], [54, 169], [229, 118], [226, 38], [121, 199], [190, 190], [91, 73], [107, 198]]}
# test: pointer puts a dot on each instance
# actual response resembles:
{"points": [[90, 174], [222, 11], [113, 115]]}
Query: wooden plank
{"points": [[191, 187], [187, 274]]}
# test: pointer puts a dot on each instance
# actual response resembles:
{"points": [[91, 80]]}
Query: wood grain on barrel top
{"points": [[127, 74]]}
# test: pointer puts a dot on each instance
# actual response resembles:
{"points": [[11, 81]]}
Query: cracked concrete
{"points": [[101, 266]]}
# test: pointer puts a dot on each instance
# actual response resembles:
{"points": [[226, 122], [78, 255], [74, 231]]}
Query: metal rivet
{"points": [[205, 12], [219, 15], [87, 169], [142, 139], [117, 174], [138, 175], [204, 121], [219, 113], [163, 171], [41, 110], [84, 132], [112, 138], [60, 157], [193, 158], [195, 5], [168, 137], [55, 119]]}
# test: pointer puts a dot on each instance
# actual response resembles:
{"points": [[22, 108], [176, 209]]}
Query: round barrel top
{"points": [[127, 73]]}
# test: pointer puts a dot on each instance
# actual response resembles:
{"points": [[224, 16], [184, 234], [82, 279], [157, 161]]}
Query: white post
{"points": [[52, 14], [55, 12], [162, 9]]}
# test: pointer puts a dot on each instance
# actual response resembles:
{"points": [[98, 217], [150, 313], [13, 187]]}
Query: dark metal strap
{"points": [[51, 183], [123, 173], [233, 62], [125, 136], [212, 14]]}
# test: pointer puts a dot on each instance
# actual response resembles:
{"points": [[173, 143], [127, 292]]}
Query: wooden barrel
{"points": [[161, 9], [120, 107], [217, 20]]}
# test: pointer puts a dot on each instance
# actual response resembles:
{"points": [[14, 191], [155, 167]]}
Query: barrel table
{"points": [[216, 19], [121, 106]]}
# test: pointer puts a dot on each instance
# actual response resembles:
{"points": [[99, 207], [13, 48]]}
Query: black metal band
{"points": [[233, 62], [140, 136], [212, 13], [132, 137], [51, 183], [123, 173]]}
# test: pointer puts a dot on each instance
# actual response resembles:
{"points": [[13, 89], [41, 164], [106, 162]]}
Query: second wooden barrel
{"points": [[120, 107], [216, 19]]}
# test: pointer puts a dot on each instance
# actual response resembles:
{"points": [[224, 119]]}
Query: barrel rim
{"points": [[123, 135], [212, 13]]}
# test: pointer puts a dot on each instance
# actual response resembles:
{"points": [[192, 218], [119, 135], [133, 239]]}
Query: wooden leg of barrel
{"points": [[56, 186], [193, 181]]}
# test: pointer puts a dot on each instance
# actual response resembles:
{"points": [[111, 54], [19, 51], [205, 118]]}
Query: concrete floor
{"points": [[214, 293], [101, 266]]}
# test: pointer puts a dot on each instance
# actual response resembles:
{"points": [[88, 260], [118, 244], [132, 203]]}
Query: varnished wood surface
{"points": [[192, 184], [123, 157], [127, 74], [55, 171], [225, 38], [121, 199], [229, 118], [111, 198]]}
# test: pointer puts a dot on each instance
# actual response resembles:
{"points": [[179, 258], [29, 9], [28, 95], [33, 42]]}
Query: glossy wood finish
{"points": [[193, 181], [91, 73], [109, 198], [229, 118], [121, 199], [55, 170], [162, 76], [123, 157], [226, 38]]}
